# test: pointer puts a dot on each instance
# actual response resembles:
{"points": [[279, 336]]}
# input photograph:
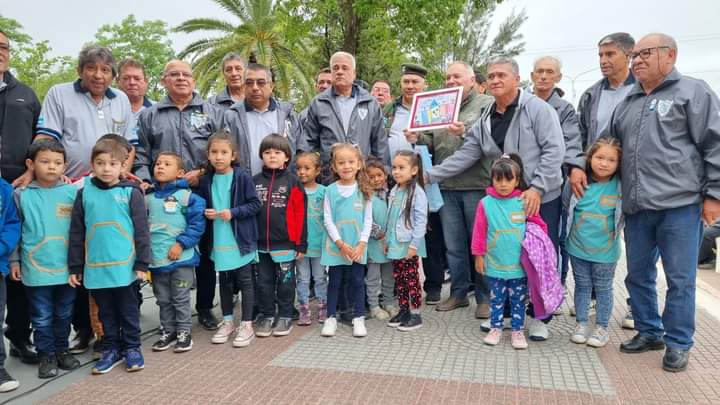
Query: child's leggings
{"points": [[501, 289], [232, 280], [407, 282]]}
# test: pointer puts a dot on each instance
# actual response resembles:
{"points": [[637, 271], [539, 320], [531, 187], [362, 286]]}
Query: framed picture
{"points": [[435, 109]]}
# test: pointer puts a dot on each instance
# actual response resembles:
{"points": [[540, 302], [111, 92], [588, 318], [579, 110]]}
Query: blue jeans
{"points": [[458, 217], [51, 309], [310, 266], [355, 274], [515, 292], [589, 277], [675, 234]]}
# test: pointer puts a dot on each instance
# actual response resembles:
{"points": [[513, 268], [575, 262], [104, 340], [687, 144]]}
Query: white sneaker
{"points": [[223, 333], [245, 334], [329, 327], [379, 314], [392, 310], [537, 331], [582, 330], [359, 329], [628, 321], [599, 338]]}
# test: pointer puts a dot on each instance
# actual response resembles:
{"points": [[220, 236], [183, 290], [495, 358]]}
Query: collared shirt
{"points": [[260, 125], [70, 115], [500, 122], [396, 139], [346, 105], [609, 99]]}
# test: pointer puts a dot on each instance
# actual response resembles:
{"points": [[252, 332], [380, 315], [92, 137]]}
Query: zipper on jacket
{"points": [[269, 204]]}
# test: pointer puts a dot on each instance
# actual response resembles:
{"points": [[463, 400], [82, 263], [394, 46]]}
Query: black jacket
{"points": [[281, 221], [19, 112]]}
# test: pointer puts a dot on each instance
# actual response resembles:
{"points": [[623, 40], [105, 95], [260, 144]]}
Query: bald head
{"points": [[178, 80], [662, 39], [653, 58]]}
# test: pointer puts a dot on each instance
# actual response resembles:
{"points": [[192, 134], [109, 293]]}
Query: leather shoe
{"points": [[452, 303], [482, 311], [675, 360], [641, 344], [25, 351], [432, 297], [207, 320]]}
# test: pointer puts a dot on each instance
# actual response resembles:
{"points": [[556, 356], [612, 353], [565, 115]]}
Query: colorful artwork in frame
{"points": [[435, 109]]}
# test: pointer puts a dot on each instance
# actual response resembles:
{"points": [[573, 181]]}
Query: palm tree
{"points": [[259, 38]]}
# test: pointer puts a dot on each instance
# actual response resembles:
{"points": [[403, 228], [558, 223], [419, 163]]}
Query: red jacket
{"points": [[281, 221]]}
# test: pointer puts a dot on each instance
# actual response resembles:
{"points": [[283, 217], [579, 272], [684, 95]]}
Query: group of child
{"points": [[261, 231]]}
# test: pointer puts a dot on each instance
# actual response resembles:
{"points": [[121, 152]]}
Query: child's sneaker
{"points": [[7, 383], [48, 367], [359, 329], [493, 337], [263, 327], [322, 312], [245, 334], [411, 323], [329, 328], [581, 332], [107, 362], [305, 318], [518, 340], [392, 310], [599, 338], [487, 325], [379, 314], [398, 319], [223, 333], [164, 342], [283, 328], [628, 321], [67, 361], [134, 360], [184, 342]]}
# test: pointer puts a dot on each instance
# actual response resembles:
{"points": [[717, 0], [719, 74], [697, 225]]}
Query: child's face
{"points": [[167, 169], [107, 168], [346, 164], [402, 170], [221, 156], [504, 186], [307, 170], [47, 167], [378, 178], [274, 158], [604, 162]]}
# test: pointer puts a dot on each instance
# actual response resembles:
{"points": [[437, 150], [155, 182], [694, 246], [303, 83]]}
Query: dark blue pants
{"points": [[51, 309], [118, 309], [355, 274]]}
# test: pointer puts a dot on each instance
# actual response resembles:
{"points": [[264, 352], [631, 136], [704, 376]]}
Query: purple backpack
{"points": [[539, 260]]}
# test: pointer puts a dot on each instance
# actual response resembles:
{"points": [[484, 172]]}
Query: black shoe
{"points": [[97, 349], [398, 319], [48, 367], [25, 351], [184, 342], [412, 323], [641, 344], [207, 320], [164, 342], [675, 360], [7, 383], [432, 297], [66, 361], [81, 342]]}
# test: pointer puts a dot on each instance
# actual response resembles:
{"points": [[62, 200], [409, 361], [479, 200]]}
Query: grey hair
{"points": [[552, 59], [233, 56], [622, 40], [666, 39], [95, 53], [505, 60], [167, 65], [257, 67], [470, 70], [343, 54]]}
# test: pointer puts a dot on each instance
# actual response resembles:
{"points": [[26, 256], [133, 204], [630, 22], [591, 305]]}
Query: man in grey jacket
{"points": [[669, 125], [258, 116], [182, 123], [517, 122], [344, 113], [233, 68]]}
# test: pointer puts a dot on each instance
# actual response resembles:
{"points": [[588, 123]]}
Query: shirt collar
{"points": [[629, 81], [80, 89], [147, 102], [271, 107], [511, 105], [353, 94]]}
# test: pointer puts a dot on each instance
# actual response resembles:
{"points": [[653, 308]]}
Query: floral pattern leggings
{"points": [[500, 291], [407, 283]]}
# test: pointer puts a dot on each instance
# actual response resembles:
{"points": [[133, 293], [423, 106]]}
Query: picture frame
{"points": [[435, 109]]}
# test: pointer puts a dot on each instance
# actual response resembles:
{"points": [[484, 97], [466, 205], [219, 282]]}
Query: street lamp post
{"points": [[573, 78]]}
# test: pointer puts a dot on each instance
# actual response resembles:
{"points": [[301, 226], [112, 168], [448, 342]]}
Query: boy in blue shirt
{"points": [[40, 261], [9, 236], [109, 251]]}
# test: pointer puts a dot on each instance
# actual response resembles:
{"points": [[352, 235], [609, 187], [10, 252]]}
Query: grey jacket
{"points": [[587, 110], [569, 124], [222, 99], [163, 127], [534, 134], [235, 121], [671, 144], [323, 127]]}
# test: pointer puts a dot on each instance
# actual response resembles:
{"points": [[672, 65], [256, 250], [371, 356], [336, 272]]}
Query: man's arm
{"points": [[703, 120], [379, 138], [571, 136], [310, 134], [143, 150], [549, 137], [478, 144], [76, 248], [139, 216]]}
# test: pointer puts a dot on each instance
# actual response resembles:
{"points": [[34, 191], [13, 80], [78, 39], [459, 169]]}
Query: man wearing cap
{"points": [[461, 193]]}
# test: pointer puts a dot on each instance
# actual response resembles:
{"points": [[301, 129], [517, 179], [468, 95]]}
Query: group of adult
{"points": [[669, 126]]}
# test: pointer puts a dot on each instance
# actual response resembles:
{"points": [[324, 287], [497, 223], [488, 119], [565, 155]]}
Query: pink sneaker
{"points": [[518, 340], [322, 312], [304, 319], [493, 337]]}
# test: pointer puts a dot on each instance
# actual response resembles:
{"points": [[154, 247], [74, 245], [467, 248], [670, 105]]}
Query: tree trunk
{"points": [[352, 30]]}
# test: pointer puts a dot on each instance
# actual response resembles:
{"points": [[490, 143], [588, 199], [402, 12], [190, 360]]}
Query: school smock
{"points": [[592, 236], [43, 251], [376, 247], [9, 225], [348, 218], [225, 252], [396, 206], [315, 228], [109, 234]]}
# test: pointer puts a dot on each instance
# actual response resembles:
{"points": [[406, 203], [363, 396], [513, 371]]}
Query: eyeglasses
{"points": [[259, 83], [4, 47], [646, 53], [177, 75]]}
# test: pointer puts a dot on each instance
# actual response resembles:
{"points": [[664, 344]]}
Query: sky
{"points": [[567, 29]]}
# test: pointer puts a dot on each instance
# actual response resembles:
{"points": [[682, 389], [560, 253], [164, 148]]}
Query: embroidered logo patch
{"points": [[63, 210], [362, 112], [663, 107], [517, 217]]}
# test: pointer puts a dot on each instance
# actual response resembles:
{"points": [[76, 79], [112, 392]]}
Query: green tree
{"points": [[13, 29], [146, 41], [258, 34]]}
